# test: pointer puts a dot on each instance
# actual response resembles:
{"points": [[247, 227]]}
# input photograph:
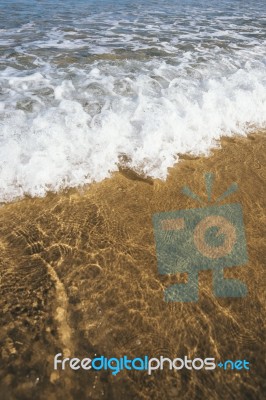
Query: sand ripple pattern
{"points": [[79, 276]]}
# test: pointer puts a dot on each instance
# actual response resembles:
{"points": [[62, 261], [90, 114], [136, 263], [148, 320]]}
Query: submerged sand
{"points": [[79, 275]]}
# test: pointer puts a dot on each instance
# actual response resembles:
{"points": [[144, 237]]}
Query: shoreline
{"points": [[79, 274], [135, 174]]}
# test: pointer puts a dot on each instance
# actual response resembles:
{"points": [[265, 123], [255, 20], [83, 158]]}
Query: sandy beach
{"points": [[79, 276]]}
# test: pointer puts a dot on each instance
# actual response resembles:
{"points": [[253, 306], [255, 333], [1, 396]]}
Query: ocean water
{"points": [[84, 84]]}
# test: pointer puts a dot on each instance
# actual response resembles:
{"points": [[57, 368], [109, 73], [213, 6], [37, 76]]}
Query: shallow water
{"points": [[79, 275], [83, 85]]}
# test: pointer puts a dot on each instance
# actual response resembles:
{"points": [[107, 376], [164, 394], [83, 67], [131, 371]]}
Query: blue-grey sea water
{"points": [[84, 82]]}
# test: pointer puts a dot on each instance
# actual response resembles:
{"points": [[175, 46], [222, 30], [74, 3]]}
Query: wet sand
{"points": [[79, 275]]}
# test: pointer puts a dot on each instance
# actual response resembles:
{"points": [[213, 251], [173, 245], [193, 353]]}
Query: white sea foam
{"points": [[66, 123], [78, 136]]}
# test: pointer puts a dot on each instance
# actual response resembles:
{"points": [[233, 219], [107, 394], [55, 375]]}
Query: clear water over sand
{"points": [[79, 275]]}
